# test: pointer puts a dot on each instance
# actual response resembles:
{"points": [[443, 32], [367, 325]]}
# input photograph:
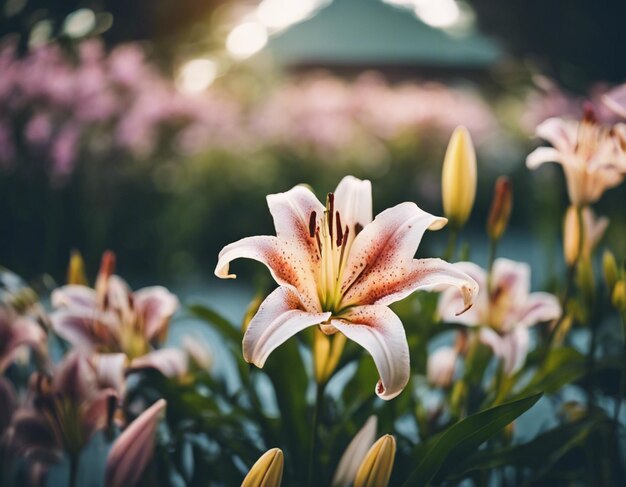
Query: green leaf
{"points": [[539, 454], [463, 438], [562, 366]]}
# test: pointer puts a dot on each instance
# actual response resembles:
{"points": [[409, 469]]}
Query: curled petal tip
{"points": [[438, 223], [467, 308]]}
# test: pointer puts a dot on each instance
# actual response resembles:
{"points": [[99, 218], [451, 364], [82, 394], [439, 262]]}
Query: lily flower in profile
{"points": [[267, 471], [133, 449], [589, 153], [592, 232], [339, 269], [111, 318], [504, 311], [64, 411]]}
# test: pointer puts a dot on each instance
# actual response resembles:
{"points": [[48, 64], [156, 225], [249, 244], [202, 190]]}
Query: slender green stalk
{"points": [[453, 237], [319, 398], [74, 461], [622, 383]]}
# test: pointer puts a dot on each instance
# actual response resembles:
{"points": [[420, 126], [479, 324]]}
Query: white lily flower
{"points": [[589, 153], [505, 311], [339, 269]]}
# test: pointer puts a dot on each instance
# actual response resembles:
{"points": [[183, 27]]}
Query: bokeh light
{"points": [[246, 39], [80, 23], [196, 75]]}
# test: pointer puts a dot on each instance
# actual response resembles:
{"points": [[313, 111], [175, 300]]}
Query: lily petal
{"points": [[155, 306], [541, 155], [383, 250], [512, 279], [288, 266], [32, 437], [133, 449], [97, 413], [85, 328], [279, 318], [616, 100], [511, 347], [353, 201], [75, 377], [21, 332], [377, 329], [110, 370], [355, 453], [424, 275], [74, 296], [171, 362], [451, 301], [538, 308]]}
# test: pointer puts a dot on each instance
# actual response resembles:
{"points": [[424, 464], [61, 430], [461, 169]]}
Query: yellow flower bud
{"points": [[500, 208], [267, 471], [327, 351], [571, 235], [251, 310], [609, 265], [76, 269], [458, 185], [376, 467], [618, 297]]}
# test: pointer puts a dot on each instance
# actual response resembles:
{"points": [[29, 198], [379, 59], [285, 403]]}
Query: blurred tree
{"points": [[577, 42]]}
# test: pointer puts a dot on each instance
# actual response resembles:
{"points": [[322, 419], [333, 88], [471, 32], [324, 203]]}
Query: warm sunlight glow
{"points": [[196, 75], [246, 39]]}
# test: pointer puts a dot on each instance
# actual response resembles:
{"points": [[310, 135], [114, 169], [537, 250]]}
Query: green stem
{"points": [[622, 382], [319, 397], [74, 461], [453, 237]]}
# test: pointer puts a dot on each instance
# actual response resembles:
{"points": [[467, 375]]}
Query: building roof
{"points": [[374, 33]]}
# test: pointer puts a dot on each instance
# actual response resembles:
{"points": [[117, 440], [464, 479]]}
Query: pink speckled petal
{"points": [[279, 318], [383, 251], [74, 296], [378, 330], [451, 301], [288, 265]]}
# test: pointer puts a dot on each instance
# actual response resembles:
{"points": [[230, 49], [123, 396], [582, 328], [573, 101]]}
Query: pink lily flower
{"points": [[111, 318], [339, 269], [16, 332], [589, 153], [504, 311], [65, 411]]}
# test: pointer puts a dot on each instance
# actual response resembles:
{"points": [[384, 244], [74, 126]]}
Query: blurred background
{"points": [[157, 127]]}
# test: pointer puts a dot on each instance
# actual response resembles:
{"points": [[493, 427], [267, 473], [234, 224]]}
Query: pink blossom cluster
{"points": [[324, 113], [60, 108]]}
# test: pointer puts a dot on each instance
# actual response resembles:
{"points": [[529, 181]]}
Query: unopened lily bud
{"points": [[375, 470], [609, 265], [133, 449], [618, 296], [500, 208], [327, 351], [76, 269], [267, 471], [458, 185], [355, 453], [440, 367], [571, 235]]}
